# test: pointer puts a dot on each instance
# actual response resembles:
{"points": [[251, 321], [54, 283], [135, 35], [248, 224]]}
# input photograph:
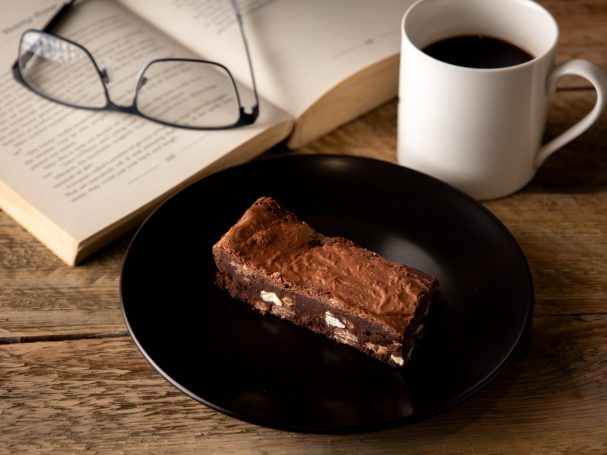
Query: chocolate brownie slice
{"points": [[280, 265]]}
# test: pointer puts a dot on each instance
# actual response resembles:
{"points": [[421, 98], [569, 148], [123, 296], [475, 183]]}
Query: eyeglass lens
{"points": [[60, 70], [188, 93]]}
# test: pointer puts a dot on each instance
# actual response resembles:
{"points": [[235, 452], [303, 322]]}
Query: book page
{"points": [[300, 49], [85, 170]]}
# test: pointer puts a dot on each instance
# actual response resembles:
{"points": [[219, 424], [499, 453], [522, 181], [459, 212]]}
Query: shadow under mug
{"points": [[481, 129]]}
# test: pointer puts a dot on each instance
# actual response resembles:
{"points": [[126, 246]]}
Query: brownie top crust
{"points": [[275, 240]]}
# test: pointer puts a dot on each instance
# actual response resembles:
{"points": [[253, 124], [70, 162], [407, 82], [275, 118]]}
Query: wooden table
{"points": [[72, 380]]}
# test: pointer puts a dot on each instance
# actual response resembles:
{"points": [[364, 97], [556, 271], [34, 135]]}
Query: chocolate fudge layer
{"points": [[279, 264]]}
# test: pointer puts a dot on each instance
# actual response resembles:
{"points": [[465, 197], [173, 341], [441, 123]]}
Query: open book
{"points": [[77, 179]]}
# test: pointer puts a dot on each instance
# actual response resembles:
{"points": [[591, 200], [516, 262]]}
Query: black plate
{"points": [[269, 372]]}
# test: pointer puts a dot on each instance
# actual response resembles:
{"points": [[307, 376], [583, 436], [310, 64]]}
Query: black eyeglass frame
{"points": [[244, 118]]}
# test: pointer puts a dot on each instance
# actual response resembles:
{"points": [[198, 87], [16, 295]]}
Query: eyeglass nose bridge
{"points": [[107, 76], [111, 106]]}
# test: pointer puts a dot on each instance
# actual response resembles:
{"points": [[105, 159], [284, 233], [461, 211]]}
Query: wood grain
{"points": [[42, 298], [72, 381], [583, 29]]}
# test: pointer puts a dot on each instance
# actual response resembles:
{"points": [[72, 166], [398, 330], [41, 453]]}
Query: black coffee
{"points": [[476, 51]]}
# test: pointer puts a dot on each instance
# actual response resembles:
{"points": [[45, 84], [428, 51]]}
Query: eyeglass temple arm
{"points": [[53, 21], [255, 109]]}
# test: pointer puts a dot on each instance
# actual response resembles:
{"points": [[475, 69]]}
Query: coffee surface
{"points": [[477, 51]]}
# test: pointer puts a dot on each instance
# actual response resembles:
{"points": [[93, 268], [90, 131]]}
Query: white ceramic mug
{"points": [[481, 129]]}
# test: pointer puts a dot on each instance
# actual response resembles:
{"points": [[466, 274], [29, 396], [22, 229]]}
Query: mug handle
{"points": [[598, 78]]}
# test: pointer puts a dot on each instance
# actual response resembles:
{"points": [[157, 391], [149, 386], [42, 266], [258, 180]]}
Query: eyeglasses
{"points": [[185, 93]]}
